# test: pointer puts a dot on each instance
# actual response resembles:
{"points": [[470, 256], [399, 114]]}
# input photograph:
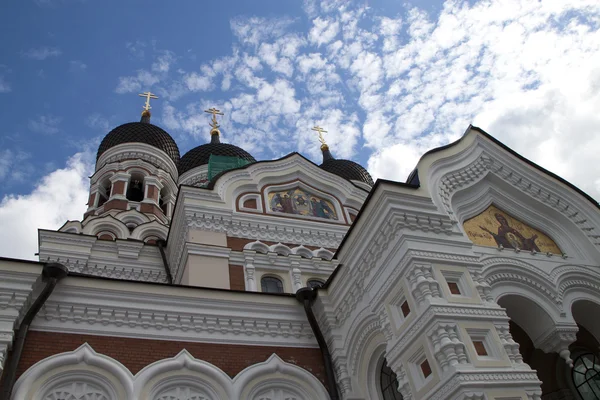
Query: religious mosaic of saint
{"points": [[298, 201], [494, 227]]}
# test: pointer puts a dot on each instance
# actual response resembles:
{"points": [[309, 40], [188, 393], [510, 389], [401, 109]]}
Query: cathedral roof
{"points": [[345, 168], [200, 155], [140, 132]]}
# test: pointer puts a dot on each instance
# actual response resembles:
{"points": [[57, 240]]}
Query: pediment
{"points": [[288, 187]]}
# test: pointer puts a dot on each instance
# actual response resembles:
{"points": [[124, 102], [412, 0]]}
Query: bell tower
{"points": [[136, 171]]}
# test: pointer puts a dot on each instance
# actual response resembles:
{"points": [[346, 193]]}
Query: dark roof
{"points": [[140, 132], [201, 154], [347, 169]]}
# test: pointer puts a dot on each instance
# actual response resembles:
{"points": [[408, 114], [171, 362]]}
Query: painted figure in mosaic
{"points": [[288, 207], [510, 237], [277, 203]]}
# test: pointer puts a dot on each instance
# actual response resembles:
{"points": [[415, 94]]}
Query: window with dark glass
{"points": [[315, 283], [270, 284], [586, 376], [389, 383]]}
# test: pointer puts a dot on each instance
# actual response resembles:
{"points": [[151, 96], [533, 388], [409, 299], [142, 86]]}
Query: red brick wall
{"points": [[137, 353], [236, 277]]}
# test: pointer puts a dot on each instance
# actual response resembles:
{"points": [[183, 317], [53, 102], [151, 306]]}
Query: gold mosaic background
{"points": [[486, 229], [300, 202]]}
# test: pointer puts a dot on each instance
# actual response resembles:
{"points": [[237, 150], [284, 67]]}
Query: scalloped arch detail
{"points": [[180, 374]]}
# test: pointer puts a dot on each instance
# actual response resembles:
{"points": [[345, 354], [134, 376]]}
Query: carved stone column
{"points": [[297, 279], [249, 271]]}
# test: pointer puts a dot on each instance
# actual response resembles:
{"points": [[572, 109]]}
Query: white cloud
{"points": [[58, 197], [323, 31], [4, 86], [524, 71], [46, 124], [197, 83], [255, 30], [14, 165], [42, 53], [163, 62], [98, 122], [77, 66]]}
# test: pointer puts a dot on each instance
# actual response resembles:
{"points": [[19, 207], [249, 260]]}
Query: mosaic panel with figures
{"points": [[301, 202], [494, 227]]}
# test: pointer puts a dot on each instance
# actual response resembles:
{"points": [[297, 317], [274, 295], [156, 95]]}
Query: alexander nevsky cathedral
{"points": [[213, 275]]}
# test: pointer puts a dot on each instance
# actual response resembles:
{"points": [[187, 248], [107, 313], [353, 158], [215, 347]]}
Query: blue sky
{"points": [[389, 80]]}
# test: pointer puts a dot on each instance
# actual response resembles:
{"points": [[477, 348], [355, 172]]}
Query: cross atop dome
{"points": [[320, 130], [146, 113], [213, 123]]}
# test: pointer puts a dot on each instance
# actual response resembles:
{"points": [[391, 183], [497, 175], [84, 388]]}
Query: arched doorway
{"points": [[529, 322]]}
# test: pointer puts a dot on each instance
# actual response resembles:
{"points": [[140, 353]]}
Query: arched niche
{"points": [[75, 374]]}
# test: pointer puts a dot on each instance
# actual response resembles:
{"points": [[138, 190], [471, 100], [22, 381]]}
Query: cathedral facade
{"points": [[216, 276]]}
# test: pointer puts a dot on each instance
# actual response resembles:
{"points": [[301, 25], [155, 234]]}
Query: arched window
{"points": [[389, 383], [586, 376], [270, 284], [104, 191], [135, 189], [315, 283], [163, 199]]}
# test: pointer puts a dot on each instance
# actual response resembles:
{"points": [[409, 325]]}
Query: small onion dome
{"points": [[345, 168], [141, 132], [200, 155]]}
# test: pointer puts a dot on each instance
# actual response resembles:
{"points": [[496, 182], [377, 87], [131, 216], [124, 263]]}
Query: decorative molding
{"points": [[448, 349], [508, 378], [173, 377], [120, 311]]}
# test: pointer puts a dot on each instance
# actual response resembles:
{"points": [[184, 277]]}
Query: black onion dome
{"points": [[140, 132], [200, 155], [347, 169]]}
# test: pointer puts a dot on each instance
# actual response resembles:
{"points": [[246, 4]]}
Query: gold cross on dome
{"points": [[317, 128], [214, 113], [148, 96]]}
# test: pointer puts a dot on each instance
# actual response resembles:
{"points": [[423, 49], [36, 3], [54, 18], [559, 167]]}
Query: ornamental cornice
{"points": [[150, 315], [468, 379], [114, 270], [261, 228], [441, 313]]}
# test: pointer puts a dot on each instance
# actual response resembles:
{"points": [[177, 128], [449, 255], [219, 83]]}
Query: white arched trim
{"points": [[71, 227], [106, 223], [276, 374], [132, 216], [82, 364], [302, 251], [506, 274], [180, 374], [153, 228], [280, 249], [363, 328], [184, 372], [257, 246]]}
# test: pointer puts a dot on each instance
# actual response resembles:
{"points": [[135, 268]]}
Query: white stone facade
{"points": [[405, 287]]}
